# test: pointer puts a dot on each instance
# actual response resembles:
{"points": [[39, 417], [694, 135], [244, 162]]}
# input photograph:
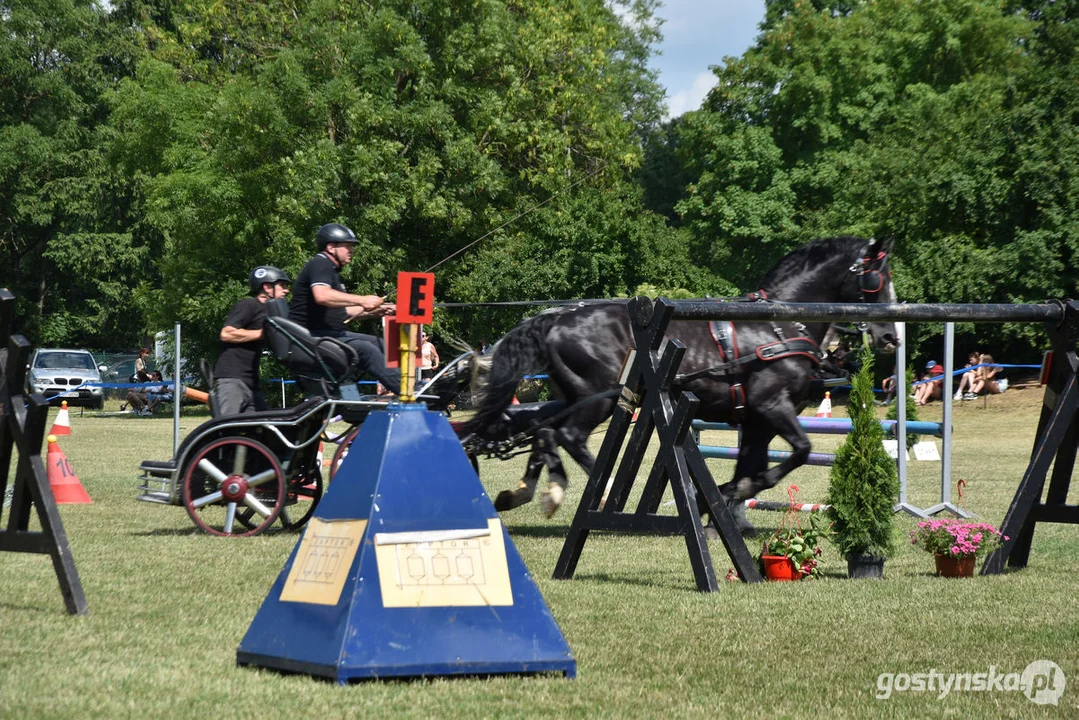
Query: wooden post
{"points": [[22, 429]]}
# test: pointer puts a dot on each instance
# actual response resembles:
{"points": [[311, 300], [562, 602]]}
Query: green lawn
{"points": [[169, 607]]}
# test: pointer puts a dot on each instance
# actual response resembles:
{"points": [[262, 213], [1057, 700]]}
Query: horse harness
{"points": [[732, 359], [871, 270]]}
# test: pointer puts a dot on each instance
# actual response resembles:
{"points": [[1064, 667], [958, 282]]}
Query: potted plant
{"points": [[863, 484], [956, 544], [793, 552]]}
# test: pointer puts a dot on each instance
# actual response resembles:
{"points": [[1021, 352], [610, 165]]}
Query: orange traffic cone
{"points": [[62, 426], [825, 409], [65, 484], [515, 401]]}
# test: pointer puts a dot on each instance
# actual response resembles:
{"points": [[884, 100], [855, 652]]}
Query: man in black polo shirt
{"points": [[320, 303], [236, 374]]}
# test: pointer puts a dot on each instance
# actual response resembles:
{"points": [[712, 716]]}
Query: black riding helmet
{"points": [[334, 233], [266, 274]]}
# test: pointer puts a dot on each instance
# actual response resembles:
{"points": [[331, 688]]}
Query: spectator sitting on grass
{"points": [[986, 381], [927, 392], [966, 380]]}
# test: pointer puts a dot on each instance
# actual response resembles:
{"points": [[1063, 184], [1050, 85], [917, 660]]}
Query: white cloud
{"points": [[698, 34], [690, 99]]}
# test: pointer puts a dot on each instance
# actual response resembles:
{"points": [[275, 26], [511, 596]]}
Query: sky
{"points": [[696, 34]]}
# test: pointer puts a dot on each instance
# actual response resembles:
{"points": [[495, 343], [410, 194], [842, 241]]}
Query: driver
{"points": [[320, 303]]}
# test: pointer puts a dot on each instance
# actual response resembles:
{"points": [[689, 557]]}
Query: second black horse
{"points": [[583, 347]]}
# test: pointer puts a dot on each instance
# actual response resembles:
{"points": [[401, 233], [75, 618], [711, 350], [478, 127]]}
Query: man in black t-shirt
{"points": [[236, 375], [320, 303]]}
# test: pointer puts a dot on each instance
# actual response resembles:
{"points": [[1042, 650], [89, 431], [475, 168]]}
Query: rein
{"points": [[504, 449]]}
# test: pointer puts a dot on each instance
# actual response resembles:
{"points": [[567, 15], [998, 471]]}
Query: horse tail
{"points": [[496, 375]]}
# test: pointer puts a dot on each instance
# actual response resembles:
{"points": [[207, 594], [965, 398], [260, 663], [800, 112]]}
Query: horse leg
{"points": [[552, 497], [526, 487], [752, 461], [782, 417]]}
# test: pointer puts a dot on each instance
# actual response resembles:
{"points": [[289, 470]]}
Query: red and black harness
{"points": [[870, 269], [732, 359]]}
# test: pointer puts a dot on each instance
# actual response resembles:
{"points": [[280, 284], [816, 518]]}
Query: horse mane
{"points": [[819, 252], [520, 351]]}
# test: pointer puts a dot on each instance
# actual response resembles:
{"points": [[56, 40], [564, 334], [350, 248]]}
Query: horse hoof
{"points": [[710, 532], [505, 501], [552, 500]]}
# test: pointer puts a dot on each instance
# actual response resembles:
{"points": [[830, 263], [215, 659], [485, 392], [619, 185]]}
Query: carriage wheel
{"points": [[304, 493], [300, 500], [234, 487], [342, 450]]}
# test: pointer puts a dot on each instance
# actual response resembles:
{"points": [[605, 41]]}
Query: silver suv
{"points": [[57, 373]]}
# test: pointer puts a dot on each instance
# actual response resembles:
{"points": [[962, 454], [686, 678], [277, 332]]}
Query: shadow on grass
{"points": [[538, 531], [670, 581], [184, 532]]}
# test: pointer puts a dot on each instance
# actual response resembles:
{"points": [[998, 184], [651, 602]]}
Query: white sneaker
{"points": [[958, 395]]}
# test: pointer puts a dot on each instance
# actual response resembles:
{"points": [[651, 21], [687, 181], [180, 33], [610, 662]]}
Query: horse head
{"points": [[873, 283]]}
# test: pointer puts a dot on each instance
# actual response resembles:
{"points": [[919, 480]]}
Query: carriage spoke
{"points": [[240, 460], [262, 477], [207, 499], [253, 502], [230, 516], [210, 469]]}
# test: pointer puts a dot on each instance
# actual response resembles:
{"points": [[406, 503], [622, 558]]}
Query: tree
{"points": [[948, 125], [68, 251], [863, 483], [420, 124]]}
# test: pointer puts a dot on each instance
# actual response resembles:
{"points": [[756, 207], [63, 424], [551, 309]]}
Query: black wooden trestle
{"points": [[679, 461], [22, 429]]}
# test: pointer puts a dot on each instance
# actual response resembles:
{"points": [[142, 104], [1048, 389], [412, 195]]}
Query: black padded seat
{"points": [[323, 359]]}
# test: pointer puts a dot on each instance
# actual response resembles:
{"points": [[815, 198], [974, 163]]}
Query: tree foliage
{"points": [[153, 151], [950, 125], [70, 253], [420, 124]]}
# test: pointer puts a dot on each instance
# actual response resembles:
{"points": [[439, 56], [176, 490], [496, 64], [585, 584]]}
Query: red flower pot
{"points": [[948, 566], [780, 567]]}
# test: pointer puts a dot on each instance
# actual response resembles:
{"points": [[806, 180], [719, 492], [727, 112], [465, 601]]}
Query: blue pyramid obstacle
{"points": [[405, 570]]}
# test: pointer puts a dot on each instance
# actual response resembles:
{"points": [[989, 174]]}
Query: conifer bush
{"points": [[863, 484]]}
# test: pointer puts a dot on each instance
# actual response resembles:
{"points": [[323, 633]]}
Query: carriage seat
{"points": [[323, 359]]}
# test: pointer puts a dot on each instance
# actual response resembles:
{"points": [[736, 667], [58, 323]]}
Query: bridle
{"points": [[871, 271]]}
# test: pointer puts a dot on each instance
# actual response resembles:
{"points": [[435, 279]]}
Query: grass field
{"points": [[169, 607]]}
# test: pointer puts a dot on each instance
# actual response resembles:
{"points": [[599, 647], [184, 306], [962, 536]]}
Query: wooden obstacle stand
{"points": [[680, 462], [22, 429]]}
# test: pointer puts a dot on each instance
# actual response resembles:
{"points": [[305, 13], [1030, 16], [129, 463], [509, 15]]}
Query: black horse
{"points": [[755, 374]]}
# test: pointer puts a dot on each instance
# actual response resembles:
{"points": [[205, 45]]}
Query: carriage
{"points": [[238, 475]]}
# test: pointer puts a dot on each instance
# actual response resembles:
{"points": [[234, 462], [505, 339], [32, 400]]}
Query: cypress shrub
{"points": [[863, 484]]}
